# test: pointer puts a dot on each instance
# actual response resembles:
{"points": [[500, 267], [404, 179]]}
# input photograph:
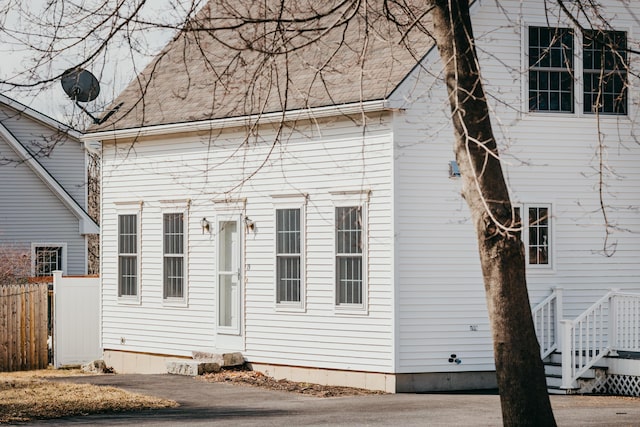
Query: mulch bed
{"points": [[244, 376]]}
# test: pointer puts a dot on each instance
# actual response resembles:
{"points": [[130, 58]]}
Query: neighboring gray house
{"points": [[304, 213], [44, 222]]}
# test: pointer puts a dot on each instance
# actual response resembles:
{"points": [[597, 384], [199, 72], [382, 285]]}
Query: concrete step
{"points": [[204, 363], [558, 390]]}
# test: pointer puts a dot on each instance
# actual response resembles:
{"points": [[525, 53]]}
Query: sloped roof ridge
{"points": [[229, 73]]}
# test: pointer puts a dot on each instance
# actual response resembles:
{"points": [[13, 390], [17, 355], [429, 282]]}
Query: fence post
{"points": [[567, 354], [613, 323]]}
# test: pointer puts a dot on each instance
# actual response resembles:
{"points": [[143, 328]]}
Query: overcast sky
{"points": [[25, 22]]}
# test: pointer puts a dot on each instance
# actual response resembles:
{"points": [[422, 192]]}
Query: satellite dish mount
{"points": [[82, 86]]}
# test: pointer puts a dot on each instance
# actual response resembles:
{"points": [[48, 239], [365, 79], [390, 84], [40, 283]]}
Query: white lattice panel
{"points": [[620, 385]]}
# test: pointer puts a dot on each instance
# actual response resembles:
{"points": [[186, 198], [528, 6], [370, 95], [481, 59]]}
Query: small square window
{"points": [[47, 260]]}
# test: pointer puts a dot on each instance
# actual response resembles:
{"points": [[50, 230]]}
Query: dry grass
{"points": [[26, 396]]}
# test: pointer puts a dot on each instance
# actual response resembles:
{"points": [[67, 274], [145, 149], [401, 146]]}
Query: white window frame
{"points": [[528, 68], [60, 245], [168, 208], [627, 85], [524, 217], [578, 73], [345, 199], [137, 297], [290, 202]]}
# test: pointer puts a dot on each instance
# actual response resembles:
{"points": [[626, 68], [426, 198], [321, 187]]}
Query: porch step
{"points": [[203, 363], [587, 381]]}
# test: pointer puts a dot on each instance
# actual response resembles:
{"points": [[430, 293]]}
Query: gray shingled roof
{"points": [[208, 72]]}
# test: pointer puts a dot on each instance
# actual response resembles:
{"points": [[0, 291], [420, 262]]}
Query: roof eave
{"points": [[40, 117], [230, 122], [86, 225]]}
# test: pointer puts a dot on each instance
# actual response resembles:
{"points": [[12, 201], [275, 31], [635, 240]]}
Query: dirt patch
{"points": [[26, 396], [258, 379]]}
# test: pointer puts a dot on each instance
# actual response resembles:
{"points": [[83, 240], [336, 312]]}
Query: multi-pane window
{"points": [[550, 69], [173, 245], [537, 234], [538, 247], [288, 256], [127, 255], [605, 72], [349, 255], [47, 260]]}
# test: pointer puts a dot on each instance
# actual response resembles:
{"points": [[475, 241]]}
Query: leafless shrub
{"points": [[15, 264]]}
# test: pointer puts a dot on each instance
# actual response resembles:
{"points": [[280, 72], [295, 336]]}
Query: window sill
{"points": [[351, 310], [290, 308], [576, 115], [174, 303], [129, 300]]}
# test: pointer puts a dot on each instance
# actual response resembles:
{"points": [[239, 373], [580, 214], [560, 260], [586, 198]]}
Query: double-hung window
{"points": [[173, 242], [289, 256], [605, 72], [127, 255], [350, 265], [536, 234], [551, 69]]}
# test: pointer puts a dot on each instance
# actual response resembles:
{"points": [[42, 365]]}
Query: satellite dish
{"points": [[80, 85]]}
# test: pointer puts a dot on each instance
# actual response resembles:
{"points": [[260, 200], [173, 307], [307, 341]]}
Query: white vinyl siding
{"points": [[548, 160], [311, 333]]}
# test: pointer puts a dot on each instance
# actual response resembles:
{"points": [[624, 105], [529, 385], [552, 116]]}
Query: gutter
{"points": [[208, 125]]}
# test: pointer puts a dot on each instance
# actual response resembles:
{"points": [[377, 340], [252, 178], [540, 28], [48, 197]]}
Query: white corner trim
{"points": [[208, 125], [86, 224]]}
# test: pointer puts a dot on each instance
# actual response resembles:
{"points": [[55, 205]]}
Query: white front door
{"points": [[229, 282]]}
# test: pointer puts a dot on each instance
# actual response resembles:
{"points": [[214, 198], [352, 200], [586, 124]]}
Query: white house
{"points": [[43, 192], [329, 242]]}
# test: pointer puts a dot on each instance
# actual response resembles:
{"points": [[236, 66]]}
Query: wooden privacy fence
{"points": [[23, 327]]}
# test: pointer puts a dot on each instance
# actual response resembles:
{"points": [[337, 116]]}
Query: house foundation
{"points": [[124, 362]]}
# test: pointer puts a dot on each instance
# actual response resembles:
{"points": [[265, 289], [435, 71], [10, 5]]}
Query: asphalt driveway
{"points": [[212, 404]]}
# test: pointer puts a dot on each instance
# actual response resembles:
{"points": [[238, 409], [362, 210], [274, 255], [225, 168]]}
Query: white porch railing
{"points": [[546, 319], [609, 325], [627, 320]]}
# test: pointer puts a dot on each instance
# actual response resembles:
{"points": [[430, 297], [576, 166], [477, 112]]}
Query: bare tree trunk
{"points": [[519, 369]]}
